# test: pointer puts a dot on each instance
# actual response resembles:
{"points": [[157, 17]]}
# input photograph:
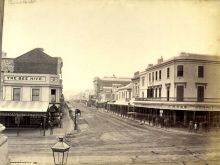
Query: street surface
{"points": [[106, 138]]}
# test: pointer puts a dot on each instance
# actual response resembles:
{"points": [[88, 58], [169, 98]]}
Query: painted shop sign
{"points": [[25, 78]]}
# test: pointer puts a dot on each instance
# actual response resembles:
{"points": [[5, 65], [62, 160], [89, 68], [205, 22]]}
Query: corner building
{"points": [[182, 89], [32, 82]]}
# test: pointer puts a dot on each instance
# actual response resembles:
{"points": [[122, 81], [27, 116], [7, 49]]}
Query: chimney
{"points": [[150, 65], [160, 60]]}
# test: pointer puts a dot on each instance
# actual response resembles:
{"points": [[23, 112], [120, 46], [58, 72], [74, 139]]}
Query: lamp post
{"points": [[60, 152]]}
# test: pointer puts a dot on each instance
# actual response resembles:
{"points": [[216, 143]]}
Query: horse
{"points": [[77, 111]]}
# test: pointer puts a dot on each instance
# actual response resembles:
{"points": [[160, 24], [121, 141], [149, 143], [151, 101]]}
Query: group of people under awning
{"points": [[54, 116]]}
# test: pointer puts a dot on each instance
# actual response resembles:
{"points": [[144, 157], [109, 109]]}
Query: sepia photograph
{"points": [[110, 82]]}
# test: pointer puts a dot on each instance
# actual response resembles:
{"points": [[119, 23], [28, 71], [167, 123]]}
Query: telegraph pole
{"points": [[2, 3]]}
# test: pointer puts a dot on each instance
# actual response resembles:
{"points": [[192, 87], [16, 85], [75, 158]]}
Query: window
{"points": [[142, 94], [200, 71], [168, 72], [53, 95], [159, 74], [143, 78], [150, 92], [152, 76], [155, 92], [180, 93], [149, 77], [159, 92], [16, 94], [168, 93], [35, 94], [179, 70], [156, 75], [200, 93]]}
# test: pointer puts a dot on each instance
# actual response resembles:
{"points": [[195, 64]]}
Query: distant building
{"points": [[32, 82], [135, 85], [103, 86], [124, 94]]}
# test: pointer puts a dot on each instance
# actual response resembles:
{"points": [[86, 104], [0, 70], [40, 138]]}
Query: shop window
{"points": [[35, 94], [16, 94], [179, 70]]}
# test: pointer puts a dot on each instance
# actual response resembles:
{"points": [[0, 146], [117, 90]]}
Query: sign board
{"points": [[25, 78]]}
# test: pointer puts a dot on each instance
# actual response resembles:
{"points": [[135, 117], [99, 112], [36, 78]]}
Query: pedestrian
{"points": [[195, 127], [51, 127], [190, 126]]}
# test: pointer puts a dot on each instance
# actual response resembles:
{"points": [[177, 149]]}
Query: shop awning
{"points": [[23, 108]]}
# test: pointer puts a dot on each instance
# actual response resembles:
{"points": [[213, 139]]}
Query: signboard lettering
{"points": [[25, 78]]}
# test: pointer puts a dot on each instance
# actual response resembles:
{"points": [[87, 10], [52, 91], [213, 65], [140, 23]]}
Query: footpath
{"points": [[37, 145], [176, 130]]}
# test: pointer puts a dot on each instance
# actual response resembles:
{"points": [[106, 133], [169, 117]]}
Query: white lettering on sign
{"points": [[25, 78]]}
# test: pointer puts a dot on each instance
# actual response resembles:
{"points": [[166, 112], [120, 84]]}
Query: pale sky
{"points": [[106, 37]]}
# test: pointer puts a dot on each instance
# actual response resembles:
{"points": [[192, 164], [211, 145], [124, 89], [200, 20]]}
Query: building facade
{"points": [[183, 88], [31, 84], [103, 87], [176, 92]]}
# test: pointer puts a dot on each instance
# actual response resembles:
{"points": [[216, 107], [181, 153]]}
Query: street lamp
{"points": [[60, 152]]}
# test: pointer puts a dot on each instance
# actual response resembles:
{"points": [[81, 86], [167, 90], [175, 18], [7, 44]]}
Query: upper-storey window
{"points": [[35, 94], [200, 71], [156, 76], [149, 77], [168, 72], [152, 76], [159, 74], [179, 70], [143, 78], [180, 93], [16, 94]]}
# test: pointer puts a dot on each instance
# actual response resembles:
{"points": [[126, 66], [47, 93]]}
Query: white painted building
{"points": [[31, 87], [186, 87]]}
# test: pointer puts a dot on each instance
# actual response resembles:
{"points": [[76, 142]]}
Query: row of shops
{"points": [[166, 117], [178, 91]]}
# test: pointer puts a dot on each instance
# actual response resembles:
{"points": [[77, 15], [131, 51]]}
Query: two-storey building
{"points": [[31, 83], [184, 88]]}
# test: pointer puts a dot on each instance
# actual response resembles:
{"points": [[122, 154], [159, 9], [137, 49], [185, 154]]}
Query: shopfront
{"points": [[23, 114]]}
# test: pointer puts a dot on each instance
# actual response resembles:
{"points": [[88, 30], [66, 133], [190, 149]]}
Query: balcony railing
{"points": [[185, 99]]}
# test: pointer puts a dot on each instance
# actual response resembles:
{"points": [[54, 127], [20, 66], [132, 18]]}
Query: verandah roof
{"points": [[23, 108]]}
